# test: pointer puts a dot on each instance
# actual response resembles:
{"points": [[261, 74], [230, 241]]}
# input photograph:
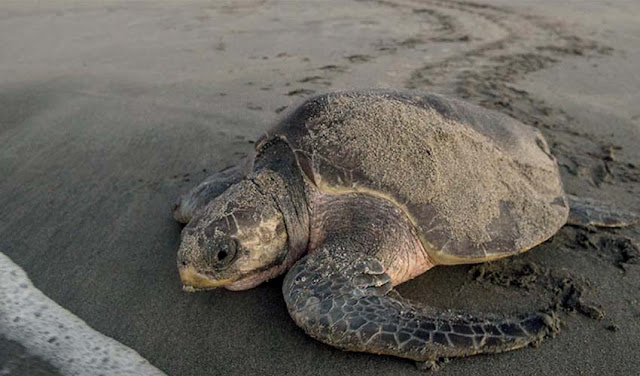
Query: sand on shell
{"points": [[451, 178], [109, 111]]}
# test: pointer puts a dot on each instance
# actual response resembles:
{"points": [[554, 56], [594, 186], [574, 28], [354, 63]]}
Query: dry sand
{"points": [[108, 112]]}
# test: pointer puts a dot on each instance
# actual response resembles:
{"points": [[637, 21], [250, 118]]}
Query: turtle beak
{"points": [[192, 280]]}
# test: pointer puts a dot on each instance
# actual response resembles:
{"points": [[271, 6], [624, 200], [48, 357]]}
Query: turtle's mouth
{"points": [[192, 280]]}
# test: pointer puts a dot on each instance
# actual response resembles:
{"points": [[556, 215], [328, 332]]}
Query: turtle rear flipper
{"points": [[585, 212], [345, 299]]}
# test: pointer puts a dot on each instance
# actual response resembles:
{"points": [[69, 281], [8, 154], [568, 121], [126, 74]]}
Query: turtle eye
{"points": [[227, 253], [220, 254]]}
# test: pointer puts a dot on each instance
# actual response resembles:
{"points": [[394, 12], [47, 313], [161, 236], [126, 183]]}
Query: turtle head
{"points": [[237, 241]]}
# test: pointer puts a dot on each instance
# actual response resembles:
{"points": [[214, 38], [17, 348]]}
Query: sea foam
{"points": [[54, 334]]}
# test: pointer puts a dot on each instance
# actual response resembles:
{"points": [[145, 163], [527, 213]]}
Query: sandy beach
{"points": [[109, 111]]}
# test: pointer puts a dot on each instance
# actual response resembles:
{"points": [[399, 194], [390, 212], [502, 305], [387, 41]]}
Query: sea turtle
{"points": [[356, 192]]}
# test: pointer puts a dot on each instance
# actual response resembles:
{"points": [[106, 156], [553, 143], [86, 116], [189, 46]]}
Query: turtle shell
{"points": [[477, 184]]}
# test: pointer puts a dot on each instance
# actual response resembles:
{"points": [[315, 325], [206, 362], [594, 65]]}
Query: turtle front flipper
{"points": [[345, 299], [585, 212], [188, 204]]}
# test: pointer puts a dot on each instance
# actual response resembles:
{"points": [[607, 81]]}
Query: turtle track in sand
{"points": [[486, 75], [563, 290]]}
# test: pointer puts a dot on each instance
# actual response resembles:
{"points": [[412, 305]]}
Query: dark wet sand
{"points": [[108, 112]]}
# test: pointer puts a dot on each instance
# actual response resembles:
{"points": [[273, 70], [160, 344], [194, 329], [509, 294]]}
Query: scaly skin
{"points": [[345, 299]]}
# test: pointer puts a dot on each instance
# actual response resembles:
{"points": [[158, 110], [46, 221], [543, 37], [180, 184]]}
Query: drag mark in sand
{"points": [[56, 335], [486, 73]]}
